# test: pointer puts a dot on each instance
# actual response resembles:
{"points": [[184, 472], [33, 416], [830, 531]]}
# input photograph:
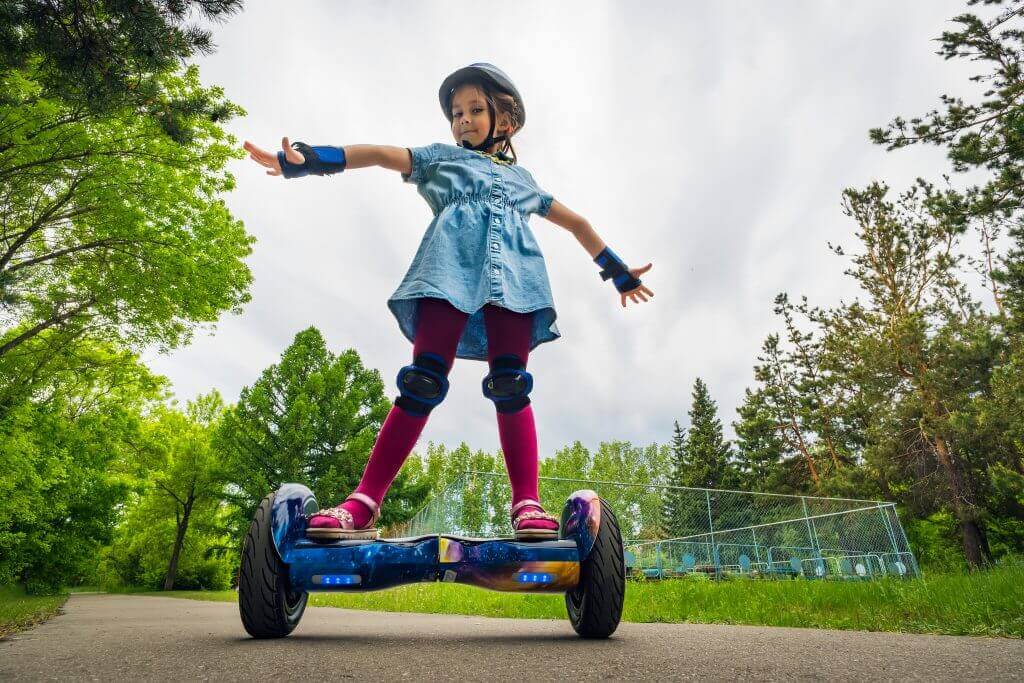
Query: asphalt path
{"points": [[127, 637]]}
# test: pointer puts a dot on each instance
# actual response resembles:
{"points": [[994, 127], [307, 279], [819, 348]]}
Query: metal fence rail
{"points": [[675, 531]]}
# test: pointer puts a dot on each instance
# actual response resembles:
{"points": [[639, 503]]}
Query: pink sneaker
{"points": [[333, 524], [533, 525]]}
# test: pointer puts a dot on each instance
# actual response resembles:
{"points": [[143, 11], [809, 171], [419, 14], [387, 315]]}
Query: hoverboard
{"points": [[280, 566]]}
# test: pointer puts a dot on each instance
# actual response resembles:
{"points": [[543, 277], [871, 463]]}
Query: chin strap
{"points": [[483, 146]]}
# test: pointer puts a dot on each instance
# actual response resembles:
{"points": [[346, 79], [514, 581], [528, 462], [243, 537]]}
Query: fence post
{"points": [[906, 542], [811, 532], [892, 537], [711, 526]]}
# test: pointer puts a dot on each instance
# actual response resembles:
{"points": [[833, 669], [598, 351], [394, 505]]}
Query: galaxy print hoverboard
{"points": [[280, 566]]}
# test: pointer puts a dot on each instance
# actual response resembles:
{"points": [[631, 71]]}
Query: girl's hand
{"points": [[639, 291], [269, 160]]}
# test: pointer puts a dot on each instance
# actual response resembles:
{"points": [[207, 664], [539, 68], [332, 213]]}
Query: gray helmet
{"points": [[475, 72]]}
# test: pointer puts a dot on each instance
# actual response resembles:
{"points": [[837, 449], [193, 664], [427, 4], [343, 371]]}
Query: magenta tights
{"points": [[438, 330]]}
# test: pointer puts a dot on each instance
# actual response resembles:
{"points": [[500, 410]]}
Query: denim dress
{"points": [[478, 249]]}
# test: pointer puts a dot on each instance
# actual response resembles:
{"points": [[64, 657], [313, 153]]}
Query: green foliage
{"points": [[108, 54], [114, 236], [913, 391], [778, 403], [984, 135], [637, 506], [144, 543], [311, 418], [1006, 511], [675, 518], [180, 516], [702, 459], [758, 446], [479, 503], [65, 458], [707, 453], [936, 543], [111, 227]]}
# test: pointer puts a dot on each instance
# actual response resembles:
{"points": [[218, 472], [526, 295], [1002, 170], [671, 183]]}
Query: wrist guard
{"points": [[613, 267], [321, 160]]}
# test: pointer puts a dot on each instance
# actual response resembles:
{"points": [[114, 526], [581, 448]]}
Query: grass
{"points": [[986, 603], [19, 611]]}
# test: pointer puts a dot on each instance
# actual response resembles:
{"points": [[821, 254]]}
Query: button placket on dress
{"points": [[494, 228]]}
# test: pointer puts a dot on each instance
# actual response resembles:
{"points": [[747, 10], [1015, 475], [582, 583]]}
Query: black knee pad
{"points": [[508, 384], [423, 384]]}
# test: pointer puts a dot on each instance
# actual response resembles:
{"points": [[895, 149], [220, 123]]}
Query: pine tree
{"points": [[102, 55], [759, 448], [707, 452], [675, 499]]}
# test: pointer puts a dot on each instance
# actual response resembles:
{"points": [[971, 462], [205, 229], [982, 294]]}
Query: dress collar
{"points": [[499, 158]]}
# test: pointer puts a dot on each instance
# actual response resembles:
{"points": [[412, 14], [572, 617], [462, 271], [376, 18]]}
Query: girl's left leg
{"points": [[509, 332]]}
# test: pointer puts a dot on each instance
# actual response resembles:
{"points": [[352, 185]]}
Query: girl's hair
{"points": [[501, 103]]}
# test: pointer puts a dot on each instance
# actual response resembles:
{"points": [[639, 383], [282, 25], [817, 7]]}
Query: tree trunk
{"points": [[179, 540], [975, 544]]}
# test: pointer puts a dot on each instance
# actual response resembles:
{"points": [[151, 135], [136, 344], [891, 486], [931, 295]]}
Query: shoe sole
{"points": [[536, 534], [317, 534]]}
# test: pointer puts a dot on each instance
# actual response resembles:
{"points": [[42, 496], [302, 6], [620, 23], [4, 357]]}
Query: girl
{"points": [[477, 287]]}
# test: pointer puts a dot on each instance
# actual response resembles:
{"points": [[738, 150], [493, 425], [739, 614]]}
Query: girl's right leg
{"points": [[438, 329]]}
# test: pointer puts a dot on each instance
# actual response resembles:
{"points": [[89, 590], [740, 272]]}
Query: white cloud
{"points": [[713, 140]]}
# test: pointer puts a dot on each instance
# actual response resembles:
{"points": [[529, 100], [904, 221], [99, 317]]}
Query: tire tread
{"points": [[603, 582], [263, 580]]}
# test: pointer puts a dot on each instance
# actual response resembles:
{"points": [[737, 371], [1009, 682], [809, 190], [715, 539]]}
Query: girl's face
{"points": [[471, 119]]}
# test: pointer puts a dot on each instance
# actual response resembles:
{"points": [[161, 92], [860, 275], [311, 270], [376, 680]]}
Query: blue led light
{"points": [[339, 579], [525, 577]]}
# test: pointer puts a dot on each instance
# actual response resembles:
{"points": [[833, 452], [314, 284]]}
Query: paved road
{"points": [[112, 637]]}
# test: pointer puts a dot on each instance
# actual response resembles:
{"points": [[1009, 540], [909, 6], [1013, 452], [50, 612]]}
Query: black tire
{"points": [[595, 605], [266, 602]]}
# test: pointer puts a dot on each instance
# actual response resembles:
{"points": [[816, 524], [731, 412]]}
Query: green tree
{"points": [[984, 137], [105, 55], [145, 538], [707, 453], [675, 509], [181, 468], [923, 340], [632, 468], [111, 228], [67, 456], [311, 418], [779, 397], [758, 446]]}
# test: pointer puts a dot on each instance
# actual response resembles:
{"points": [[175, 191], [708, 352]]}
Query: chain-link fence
{"points": [[673, 531]]}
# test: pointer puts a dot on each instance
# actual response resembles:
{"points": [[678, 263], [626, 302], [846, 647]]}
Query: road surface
{"points": [[117, 637]]}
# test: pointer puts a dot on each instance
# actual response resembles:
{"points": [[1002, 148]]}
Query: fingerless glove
{"points": [[321, 160], [613, 267]]}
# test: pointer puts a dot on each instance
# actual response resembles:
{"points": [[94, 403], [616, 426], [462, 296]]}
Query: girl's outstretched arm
{"points": [[562, 215], [580, 227], [395, 158], [356, 156]]}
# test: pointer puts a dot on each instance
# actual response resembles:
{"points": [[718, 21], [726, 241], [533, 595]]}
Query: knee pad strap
{"points": [[508, 384], [423, 385]]}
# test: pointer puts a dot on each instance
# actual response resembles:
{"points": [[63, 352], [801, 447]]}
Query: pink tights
{"points": [[438, 330]]}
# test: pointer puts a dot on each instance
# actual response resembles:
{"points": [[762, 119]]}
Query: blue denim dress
{"points": [[478, 249]]}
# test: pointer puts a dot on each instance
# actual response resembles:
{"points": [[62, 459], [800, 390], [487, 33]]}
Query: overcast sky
{"points": [[711, 139]]}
